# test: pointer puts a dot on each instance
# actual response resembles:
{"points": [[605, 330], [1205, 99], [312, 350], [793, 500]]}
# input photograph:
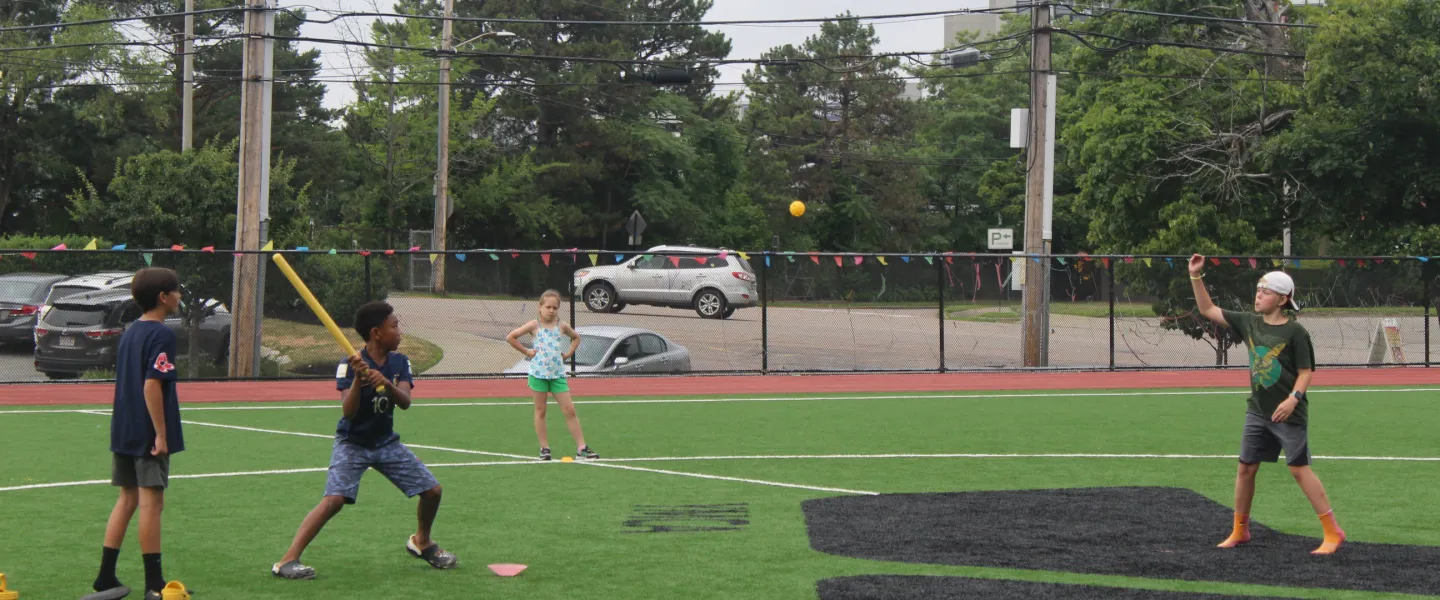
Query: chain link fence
{"points": [[679, 312]]}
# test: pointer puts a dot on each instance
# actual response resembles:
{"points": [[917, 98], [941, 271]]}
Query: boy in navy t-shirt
{"points": [[144, 430], [365, 438]]}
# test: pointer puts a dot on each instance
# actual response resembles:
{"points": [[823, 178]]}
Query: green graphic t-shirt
{"points": [[1277, 353]]}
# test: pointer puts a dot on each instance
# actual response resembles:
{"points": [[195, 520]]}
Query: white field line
{"points": [[989, 456], [331, 406], [248, 473], [528, 459]]}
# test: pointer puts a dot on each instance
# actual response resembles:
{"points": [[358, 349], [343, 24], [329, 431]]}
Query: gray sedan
{"points": [[607, 349]]}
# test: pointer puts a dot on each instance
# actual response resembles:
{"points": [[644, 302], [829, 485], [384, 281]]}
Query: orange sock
{"points": [[1334, 535], [1240, 534]]}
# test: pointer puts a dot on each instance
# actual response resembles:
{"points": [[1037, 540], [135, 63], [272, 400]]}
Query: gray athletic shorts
{"points": [[396, 462], [140, 471], [1264, 439]]}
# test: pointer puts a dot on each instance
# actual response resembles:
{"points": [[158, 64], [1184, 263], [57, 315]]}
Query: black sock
{"points": [[107, 580], [154, 580]]}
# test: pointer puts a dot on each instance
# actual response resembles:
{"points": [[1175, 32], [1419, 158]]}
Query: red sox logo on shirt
{"points": [[163, 364]]}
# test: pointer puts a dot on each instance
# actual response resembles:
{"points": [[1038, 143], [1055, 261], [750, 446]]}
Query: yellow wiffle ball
{"points": [[797, 208]]}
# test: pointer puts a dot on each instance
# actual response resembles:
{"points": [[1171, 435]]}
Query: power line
{"points": [[1078, 35], [1107, 10], [117, 19], [337, 16]]}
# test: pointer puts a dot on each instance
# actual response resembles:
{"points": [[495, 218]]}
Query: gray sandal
{"points": [[292, 570], [436, 556], [115, 593]]}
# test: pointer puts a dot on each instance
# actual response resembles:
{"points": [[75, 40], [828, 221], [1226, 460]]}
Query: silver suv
{"points": [[712, 281]]}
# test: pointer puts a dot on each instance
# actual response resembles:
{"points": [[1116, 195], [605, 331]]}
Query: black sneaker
{"points": [[544, 454], [586, 454]]}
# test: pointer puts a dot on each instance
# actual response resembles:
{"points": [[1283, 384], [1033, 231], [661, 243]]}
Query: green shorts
{"points": [[552, 386]]}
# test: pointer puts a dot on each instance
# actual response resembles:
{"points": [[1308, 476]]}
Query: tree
{"points": [[1166, 145], [1363, 149], [164, 198], [828, 126]]}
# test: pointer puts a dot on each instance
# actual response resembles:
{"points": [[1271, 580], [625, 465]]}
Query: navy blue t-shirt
{"points": [[373, 425], [147, 351]]}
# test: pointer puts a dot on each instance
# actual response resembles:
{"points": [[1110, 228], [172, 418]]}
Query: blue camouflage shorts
{"points": [[396, 462]]}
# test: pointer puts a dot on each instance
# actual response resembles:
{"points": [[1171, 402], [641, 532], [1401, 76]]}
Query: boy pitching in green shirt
{"points": [[1282, 360]]}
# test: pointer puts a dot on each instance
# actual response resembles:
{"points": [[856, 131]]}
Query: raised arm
{"points": [[1202, 296]]}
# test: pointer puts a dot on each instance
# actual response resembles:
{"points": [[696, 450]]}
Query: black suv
{"points": [[81, 332]]}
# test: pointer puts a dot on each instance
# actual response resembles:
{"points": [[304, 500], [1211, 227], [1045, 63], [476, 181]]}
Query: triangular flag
{"points": [[493, 256], [93, 244], [1215, 261], [60, 247], [594, 259], [460, 257], [270, 245], [815, 259], [724, 254], [1170, 262], [1147, 262], [1129, 259], [210, 249], [674, 260], [434, 257], [29, 255], [619, 258], [1423, 259], [859, 259], [414, 248], [177, 248], [514, 255], [118, 247], [702, 259], [950, 259], [1275, 262], [1106, 260], [1061, 259], [364, 253], [389, 253], [334, 251], [1341, 261], [905, 259], [148, 258], [545, 258], [767, 262], [1254, 263], [302, 248], [882, 260], [790, 257], [838, 262], [1036, 259], [1235, 261], [1359, 262], [929, 260], [744, 255]]}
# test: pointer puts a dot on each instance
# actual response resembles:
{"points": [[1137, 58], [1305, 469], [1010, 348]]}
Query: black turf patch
{"points": [[922, 587], [1164, 533]]}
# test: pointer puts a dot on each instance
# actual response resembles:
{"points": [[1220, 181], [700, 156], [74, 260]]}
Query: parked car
{"points": [[608, 349], [104, 280], [81, 332], [21, 296], [712, 281]]}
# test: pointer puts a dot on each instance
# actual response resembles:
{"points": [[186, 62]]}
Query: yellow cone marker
{"points": [[566, 459], [6, 594]]}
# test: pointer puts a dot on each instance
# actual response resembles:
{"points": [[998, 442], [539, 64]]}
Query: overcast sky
{"points": [[747, 41]]}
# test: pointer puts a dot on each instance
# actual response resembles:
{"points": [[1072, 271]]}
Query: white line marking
{"points": [[249, 473], [917, 396], [602, 463], [332, 437], [863, 313], [984, 455]]}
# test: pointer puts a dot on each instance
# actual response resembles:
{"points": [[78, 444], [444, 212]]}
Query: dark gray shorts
{"points": [[140, 471], [396, 462], [1264, 439]]}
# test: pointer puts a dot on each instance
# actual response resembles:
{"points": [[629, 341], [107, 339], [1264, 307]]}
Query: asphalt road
{"points": [[472, 334]]}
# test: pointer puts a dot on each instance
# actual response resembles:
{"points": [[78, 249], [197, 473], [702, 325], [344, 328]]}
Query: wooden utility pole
{"points": [[442, 172], [1039, 179], [254, 152], [187, 117]]}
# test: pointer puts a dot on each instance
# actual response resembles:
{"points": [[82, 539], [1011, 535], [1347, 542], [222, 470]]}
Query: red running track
{"points": [[293, 391]]}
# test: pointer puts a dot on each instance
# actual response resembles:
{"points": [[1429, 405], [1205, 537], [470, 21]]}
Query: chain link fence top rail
{"points": [[783, 311]]}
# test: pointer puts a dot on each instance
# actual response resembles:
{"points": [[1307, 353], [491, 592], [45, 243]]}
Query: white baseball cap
{"points": [[1280, 283]]}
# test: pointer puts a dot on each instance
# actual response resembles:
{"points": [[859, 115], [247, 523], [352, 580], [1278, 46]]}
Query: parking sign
{"points": [[1002, 239]]}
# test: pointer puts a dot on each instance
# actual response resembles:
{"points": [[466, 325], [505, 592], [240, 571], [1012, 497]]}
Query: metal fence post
{"points": [[369, 291], [765, 315], [1110, 275], [571, 285], [940, 287], [1425, 299]]}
